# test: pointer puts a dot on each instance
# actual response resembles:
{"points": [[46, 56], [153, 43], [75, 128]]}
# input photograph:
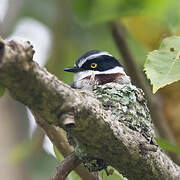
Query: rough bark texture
{"points": [[97, 133]]}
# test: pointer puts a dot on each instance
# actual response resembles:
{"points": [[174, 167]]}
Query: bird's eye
{"points": [[93, 65]]}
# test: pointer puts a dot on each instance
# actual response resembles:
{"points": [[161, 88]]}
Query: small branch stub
{"points": [[67, 120]]}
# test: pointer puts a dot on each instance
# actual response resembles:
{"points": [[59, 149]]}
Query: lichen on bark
{"points": [[127, 105]]}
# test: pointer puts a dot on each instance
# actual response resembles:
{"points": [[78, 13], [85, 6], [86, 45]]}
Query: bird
{"points": [[97, 67], [102, 74]]}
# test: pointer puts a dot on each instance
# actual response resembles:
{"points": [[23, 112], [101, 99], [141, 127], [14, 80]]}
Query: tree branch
{"points": [[95, 130], [66, 166]]}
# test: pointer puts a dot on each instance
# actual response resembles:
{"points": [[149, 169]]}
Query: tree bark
{"points": [[97, 133]]}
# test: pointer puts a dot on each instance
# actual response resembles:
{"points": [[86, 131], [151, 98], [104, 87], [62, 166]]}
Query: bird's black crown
{"points": [[94, 60]]}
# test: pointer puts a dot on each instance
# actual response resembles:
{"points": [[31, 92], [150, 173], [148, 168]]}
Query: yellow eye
{"points": [[93, 65]]}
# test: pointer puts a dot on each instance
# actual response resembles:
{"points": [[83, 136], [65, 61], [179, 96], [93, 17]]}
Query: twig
{"points": [[58, 138], [66, 166], [119, 35], [95, 130]]}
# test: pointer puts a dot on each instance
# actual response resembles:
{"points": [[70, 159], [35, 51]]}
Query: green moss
{"points": [[128, 104]]}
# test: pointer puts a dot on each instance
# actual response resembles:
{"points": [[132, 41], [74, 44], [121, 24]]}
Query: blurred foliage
{"points": [[100, 11], [163, 65], [21, 151], [2, 90], [42, 10], [166, 11], [146, 30], [171, 106], [165, 145], [41, 166]]}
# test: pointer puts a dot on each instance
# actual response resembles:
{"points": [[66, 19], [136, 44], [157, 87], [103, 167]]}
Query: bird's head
{"points": [[100, 66]]}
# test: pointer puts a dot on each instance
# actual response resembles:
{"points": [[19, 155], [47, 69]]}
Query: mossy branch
{"points": [[97, 133]]}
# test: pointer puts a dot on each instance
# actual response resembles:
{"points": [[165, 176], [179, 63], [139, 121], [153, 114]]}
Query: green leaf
{"points": [[2, 90], [73, 176], [114, 176], [162, 66], [165, 145], [59, 156], [100, 11]]}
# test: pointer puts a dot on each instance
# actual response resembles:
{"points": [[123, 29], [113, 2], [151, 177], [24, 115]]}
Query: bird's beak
{"points": [[73, 69]]}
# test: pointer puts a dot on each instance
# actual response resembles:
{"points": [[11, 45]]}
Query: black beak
{"points": [[73, 69]]}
